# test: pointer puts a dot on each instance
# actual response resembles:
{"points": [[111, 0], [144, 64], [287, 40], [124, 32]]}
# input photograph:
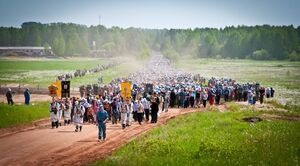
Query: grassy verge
{"points": [[21, 114], [212, 138]]}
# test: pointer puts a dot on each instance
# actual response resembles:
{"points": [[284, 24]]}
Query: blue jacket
{"points": [[101, 116]]}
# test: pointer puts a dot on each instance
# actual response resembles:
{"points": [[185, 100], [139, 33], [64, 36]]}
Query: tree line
{"points": [[263, 42]]}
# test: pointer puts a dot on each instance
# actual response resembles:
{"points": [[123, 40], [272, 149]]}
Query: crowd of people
{"points": [[83, 72], [170, 88]]}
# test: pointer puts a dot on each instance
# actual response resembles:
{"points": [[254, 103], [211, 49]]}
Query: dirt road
{"points": [[63, 146]]}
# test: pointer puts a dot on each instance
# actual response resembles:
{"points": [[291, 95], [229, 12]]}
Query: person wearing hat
{"points": [[101, 121], [9, 97], [27, 96]]}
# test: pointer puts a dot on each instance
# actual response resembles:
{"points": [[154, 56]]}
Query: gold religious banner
{"points": [[52, 90], [126, 90], [55, 89]]}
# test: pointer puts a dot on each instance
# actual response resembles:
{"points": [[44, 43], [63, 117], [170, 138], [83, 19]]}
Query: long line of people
{"points": [[170, 88]]}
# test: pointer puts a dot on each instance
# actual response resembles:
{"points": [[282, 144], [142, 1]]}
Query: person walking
{"points": [[140, 112], [9, 97], [218, 95], [204, 98], [261, 94], [53, 114], [135, 109], [154, 111], [250, 97], [27, 96], [123, 114], [146, 106], [272, 91], [101, 121], [67, 111], [78, 115], [268, 92], [129, 111]]}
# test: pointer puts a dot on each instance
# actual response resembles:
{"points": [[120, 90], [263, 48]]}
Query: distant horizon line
{"points": [[193, 28]]}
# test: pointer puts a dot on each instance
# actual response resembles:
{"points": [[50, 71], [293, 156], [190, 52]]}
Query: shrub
{"points": [[261, 54]]}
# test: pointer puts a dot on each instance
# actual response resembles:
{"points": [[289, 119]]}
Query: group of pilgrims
{"points": [[154, 89]]}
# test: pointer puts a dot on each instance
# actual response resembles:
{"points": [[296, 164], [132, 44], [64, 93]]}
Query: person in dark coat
{"points": [[154, 110], [172, 99], [261, 94], [218, 95], [272, 92], [9, 97], [27, 96]]}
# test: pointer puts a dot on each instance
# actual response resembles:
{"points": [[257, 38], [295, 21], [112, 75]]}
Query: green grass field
{"points": [[44, 71], [21, 114], [213, 138]]}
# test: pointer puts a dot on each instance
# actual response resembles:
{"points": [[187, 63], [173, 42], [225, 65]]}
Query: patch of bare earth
{"points": [[280, 117], [63, 146], [19, 98]]}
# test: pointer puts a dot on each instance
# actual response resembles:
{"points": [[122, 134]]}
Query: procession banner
{"points": [[52, 90], [126, 90], [58, 85], [65, 88], [149, 88]]}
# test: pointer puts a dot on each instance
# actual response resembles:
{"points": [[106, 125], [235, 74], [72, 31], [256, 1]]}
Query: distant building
{"points": [[99, 53], [26, 51]]}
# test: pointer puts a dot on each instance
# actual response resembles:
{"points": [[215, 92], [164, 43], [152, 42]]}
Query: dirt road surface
{"points": [[63, 146], [19, 98]]}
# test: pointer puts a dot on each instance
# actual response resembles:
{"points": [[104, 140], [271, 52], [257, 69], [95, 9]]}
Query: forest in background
{"points": [[263, 42]]}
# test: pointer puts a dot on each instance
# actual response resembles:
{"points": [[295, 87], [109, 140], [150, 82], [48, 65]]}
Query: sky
{"points": [[154, 14]]}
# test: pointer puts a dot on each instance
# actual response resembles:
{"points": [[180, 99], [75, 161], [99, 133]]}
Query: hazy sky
{"points": [[152, 13]]}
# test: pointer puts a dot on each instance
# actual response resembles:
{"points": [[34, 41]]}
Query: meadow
{"points": [[213, 138], [42, 72], [22, 114]]}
